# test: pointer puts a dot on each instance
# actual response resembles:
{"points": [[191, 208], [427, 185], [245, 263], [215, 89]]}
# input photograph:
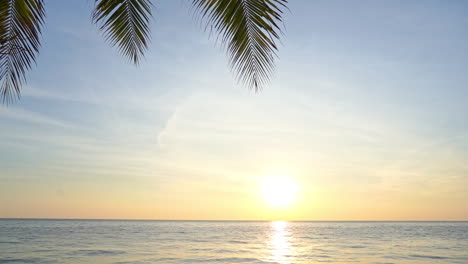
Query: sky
{"points": [[366, 113]]}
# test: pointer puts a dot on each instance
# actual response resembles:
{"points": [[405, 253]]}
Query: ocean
{"points": [[142, 242]]}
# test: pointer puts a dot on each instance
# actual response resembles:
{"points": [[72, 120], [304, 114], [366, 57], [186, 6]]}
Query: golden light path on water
{"points": [[280, 244]]}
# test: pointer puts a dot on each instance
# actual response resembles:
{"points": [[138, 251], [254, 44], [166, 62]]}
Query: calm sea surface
{"points": [[119, 242]]}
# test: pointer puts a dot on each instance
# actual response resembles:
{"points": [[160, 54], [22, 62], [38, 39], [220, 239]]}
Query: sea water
{"points": [[124, 241]]}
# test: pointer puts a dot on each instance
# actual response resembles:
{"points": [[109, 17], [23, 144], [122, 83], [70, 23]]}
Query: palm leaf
{"points": [[20, 28], [125, 23], [249, 30]]}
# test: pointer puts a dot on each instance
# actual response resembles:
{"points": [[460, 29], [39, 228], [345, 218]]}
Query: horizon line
{"points": [[217, 220]]}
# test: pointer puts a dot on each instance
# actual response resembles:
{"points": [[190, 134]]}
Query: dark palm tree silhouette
{"points": [[248, 29]]}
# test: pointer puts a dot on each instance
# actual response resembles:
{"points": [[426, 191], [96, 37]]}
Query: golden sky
{"points": [[366, 115]]}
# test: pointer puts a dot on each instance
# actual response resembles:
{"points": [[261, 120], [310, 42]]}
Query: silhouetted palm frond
{"points": [[125, 23], [20, 28], [250, 30]]}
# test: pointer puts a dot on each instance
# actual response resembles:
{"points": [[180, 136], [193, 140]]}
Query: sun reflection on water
{"points": [[280, 244]]}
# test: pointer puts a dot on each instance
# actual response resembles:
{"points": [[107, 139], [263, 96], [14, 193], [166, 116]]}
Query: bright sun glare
{"points": [[279, 191]]}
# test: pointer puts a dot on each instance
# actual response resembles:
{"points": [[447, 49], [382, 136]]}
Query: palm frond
{"points": [[20, 29], [250, 30], [125, 23]]}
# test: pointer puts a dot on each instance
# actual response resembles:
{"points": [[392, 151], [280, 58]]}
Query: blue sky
{"points": [[368, 103]]}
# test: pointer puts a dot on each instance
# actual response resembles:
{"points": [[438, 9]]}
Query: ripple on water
{"points": [[427, 256], [236, 242], [24, 260], [97, 252]]}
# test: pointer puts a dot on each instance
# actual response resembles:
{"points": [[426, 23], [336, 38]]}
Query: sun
{"points": [[279, 191]]}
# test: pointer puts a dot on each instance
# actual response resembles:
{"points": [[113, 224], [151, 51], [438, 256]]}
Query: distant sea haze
{"points": [[142, 242]]}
